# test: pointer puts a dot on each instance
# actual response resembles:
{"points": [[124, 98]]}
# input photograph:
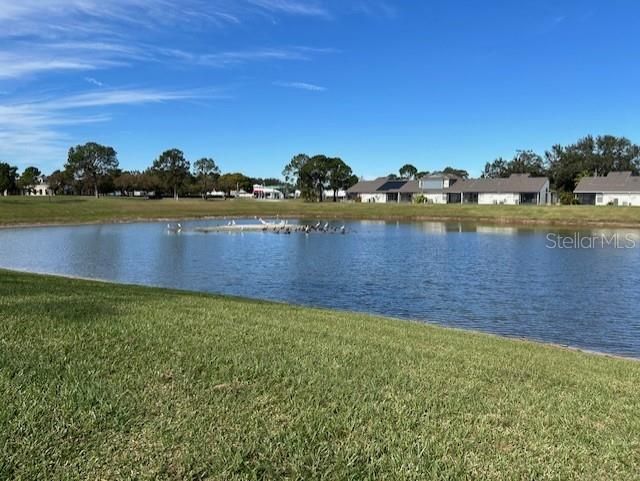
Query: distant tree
{"points": [[524, 162], [314, 177], [29, 178], [592, 156], [206, 172], [172, 169], [231, 182], [463, 174], [408, 171], [91, 161], [291, 172], [128, 182], [60, 181], [8, 178], [392, 176], [495, 169], [422, 173], [340, 176]]}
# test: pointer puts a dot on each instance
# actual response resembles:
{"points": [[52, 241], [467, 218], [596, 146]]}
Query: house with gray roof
{"points": [[450, 189], [385, 190], [617, 188], [514, 190]]}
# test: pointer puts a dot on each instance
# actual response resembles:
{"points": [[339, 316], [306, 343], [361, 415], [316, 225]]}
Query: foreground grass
{"points": [[65, 210], [116, 382]]}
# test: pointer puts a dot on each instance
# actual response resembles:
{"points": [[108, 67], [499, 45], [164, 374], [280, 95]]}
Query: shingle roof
{"points": [[367, 186], [619, 182], [383, 185], [517, 183]]}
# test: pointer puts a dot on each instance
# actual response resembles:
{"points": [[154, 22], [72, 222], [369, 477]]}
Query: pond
{"points": [[580, 288]]}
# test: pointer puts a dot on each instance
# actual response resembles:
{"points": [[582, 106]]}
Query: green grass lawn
{"points": [[103, 381], [29, 210]]}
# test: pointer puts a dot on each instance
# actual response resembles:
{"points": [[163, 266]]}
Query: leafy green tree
{"points": [[172, 169], [292, 170], [593, 156], [29, 178], [408, 171], [463, 174], [314, 177], [91, 161], [8, 178], [60, 181], [340, 176], [206, 172], [524, 162], [127, 182], [228, 183]]}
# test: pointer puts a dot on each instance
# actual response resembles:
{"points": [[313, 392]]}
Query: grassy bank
{"points": [[61, 210], [116, 382]]}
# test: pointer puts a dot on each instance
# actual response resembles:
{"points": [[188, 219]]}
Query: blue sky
{"points": [[253, 82]]}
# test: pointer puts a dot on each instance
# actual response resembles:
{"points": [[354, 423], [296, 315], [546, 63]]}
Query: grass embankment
{"points": [[116, 382], [66, 210]]}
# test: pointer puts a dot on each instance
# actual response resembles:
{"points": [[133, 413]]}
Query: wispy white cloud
{"points": [[33, 131], [301, 86], [295, 7], [238, 57], [94, 81], [77, 39], [54, 18], [375, 8]]}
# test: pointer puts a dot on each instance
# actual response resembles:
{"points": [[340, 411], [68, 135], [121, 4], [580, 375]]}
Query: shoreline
{"points": [[484, 221], [475, 332]]}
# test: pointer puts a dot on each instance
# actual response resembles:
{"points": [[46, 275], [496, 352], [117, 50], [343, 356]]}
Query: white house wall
{"points": [[377, 198], [490, 199], [622, 199], [436, 198]]}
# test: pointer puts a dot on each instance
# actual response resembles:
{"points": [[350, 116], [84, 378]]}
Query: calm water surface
{"points": [[496, 279]]}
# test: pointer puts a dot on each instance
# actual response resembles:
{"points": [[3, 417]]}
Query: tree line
{"points": [[94, 169]]}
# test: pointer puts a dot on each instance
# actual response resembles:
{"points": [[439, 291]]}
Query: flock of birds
{"points": [[285, 228], [282, 227]]}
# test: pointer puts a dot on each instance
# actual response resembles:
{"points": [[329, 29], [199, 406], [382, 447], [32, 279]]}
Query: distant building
{"points": [[450, 189], [617, 188], [267, 193], [40, 188], [327, 194]]}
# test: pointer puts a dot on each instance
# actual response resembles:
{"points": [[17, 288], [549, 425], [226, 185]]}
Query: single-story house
{"points": [[384, 190], [514, 190], [617, 188], [450, 189]]}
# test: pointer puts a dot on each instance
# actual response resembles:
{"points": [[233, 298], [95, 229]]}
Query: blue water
{"points": [[496, 279]]}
